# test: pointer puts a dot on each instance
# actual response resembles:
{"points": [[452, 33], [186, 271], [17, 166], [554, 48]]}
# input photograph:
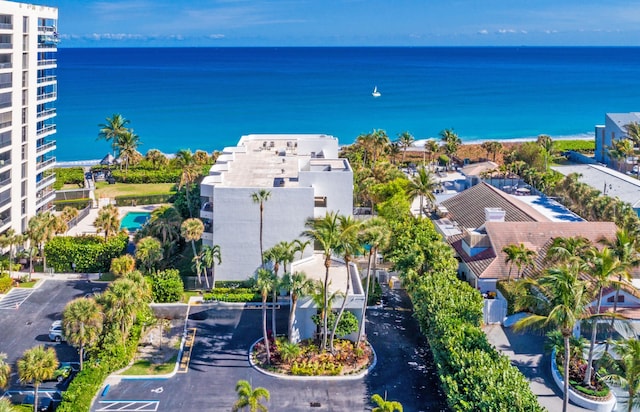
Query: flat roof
{"points": [[270, 161], [608, 181], [314, 268], [550, 208]]}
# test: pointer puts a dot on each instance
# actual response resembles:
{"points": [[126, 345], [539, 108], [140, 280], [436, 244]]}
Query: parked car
{"points": [[45, 404], [64, 371], [55, 332]]}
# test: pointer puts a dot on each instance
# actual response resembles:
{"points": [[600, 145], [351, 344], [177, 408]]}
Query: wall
{"points": [[236, 225], [336, 186]]}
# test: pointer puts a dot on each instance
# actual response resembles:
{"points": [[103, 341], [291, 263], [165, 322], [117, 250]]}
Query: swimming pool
{"points": [[133, 221]]}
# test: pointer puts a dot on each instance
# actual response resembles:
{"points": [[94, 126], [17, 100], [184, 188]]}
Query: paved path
{"points": [[15, 298], [526, 352]]}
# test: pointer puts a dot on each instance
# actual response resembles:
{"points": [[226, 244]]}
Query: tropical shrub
{"points": [[89, 253], [132, 200], [166, 286], [68, 176], [77, 203], [238, 294], [165, 175], [5, 283]]}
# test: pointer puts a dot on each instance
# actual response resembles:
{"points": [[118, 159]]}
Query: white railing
{"points": [[46, 113], [46, 163], [46, 146], [47, 96], [49, 62], [46, 181], [46, 79]]}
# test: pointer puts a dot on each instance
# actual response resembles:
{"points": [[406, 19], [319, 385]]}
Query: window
{"points": [[613, 298], [320, 201]]}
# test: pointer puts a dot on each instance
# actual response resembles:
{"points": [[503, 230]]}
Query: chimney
{"points": [[494, 214]]}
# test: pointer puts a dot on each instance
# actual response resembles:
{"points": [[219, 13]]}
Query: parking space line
{"points": [[15, 298], [128, 406], [190, 340]]}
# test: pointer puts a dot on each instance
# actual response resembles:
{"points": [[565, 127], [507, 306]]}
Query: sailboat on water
{"points": [[375, 93]]}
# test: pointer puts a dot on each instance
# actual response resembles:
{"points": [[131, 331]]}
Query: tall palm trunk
{"points": [[594, 332], [261, 249], [565, 397], [264, 327], [36, 385], [274, 299], [344, 303], [372, 253], [615, 309], [292, 315], [325, 326]]}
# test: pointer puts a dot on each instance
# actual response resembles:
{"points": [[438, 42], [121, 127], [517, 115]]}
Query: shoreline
{"points": [[417, 146]]}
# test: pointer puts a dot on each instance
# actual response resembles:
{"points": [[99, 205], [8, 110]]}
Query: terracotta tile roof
{"points": [[631, 313], [537, 236], [467, 207]]}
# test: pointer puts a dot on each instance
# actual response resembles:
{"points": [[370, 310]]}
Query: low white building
{"points": [[612, 130], [305, 178]]}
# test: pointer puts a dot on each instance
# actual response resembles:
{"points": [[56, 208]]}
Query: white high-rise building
{"points": [[305, 178], [28, 93]]}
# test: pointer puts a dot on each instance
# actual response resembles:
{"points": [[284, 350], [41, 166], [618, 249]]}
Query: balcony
{"points": [[46, 114], [5, 163], [47, 147], [6, 26], [47, 29], [6, 65], [5, 182], [45, 197], [47, 181], [4, 223], [6, 201], [47, 79], [47, 96], [5, 124], [46, 164], [49, 62], [47, 130], [207, 211]]}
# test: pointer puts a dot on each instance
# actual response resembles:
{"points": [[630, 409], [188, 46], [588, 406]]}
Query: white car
{"points": [[55, 332]]}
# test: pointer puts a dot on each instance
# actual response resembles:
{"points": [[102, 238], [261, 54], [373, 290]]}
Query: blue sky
{"points": [[92, 23]]}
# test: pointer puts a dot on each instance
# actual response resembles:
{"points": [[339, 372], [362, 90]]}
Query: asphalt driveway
{"points": [[220, 358], [25, 323]]}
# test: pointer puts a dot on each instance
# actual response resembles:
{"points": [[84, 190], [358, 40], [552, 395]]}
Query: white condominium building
{"points": [[28, 92], [305, 178]]}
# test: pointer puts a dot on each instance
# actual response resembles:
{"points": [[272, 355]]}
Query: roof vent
{"points": [[494, 214]]}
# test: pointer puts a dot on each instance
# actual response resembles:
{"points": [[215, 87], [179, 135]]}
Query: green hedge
{"points": [[575, 145], [233, 295], [145, 199], [166, 286], [77, 203], [87, 383], [69, 176], [5, 282], [90, 253], [147, 176]]}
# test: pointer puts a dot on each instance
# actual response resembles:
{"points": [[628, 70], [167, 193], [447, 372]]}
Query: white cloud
{"points": [[216, 36], [506, 31], [483, 31]]}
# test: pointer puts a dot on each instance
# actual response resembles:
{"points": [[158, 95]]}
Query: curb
{"points": [[340, 378]]}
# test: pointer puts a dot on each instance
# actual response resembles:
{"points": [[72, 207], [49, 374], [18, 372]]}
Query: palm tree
{"points": [[112, 129], [325, 233], [563, 296], [190, 173], [250, 398], [298, 285], [277, 254], [422, 184], [37, 365], [603, 266], [209, 255], [9, 239], [127, 144], [121, 302], [348, 246], [149, 252], [566, 249], [548, 147], [299, 246], [165, 223], [431, 147], [156, 158], [69, 213], [260, 197], [524, 258], [626, 248], [511, 252], [621, 150], [108, 220], [377, 235], [191, 230], [82, 324], [451, 142], [41, 228], [405, 140], [383, 405], [265, 284], [6, 405], [629, 352], [5, 371]]}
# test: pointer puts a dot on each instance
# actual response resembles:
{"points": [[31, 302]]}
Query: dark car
{"points": [[45, 404]]}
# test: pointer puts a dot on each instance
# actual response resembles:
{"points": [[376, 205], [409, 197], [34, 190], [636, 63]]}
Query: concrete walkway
{"points": [[526, 351]]}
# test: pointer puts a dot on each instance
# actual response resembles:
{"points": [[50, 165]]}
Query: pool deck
{"points": [[86, 227]]}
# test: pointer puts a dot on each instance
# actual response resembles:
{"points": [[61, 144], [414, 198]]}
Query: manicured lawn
{"points": [[145, 367], [27, 284], [104, 189]]}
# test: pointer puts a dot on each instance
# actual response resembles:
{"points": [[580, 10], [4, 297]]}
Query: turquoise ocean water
{"points": [[206, 98]]}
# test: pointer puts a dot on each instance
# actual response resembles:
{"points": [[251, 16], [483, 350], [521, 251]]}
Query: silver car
{"points": [[55, 331]]}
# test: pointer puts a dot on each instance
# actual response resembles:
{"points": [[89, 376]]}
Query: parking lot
{"points": [[219, 358], [25, 318]]}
